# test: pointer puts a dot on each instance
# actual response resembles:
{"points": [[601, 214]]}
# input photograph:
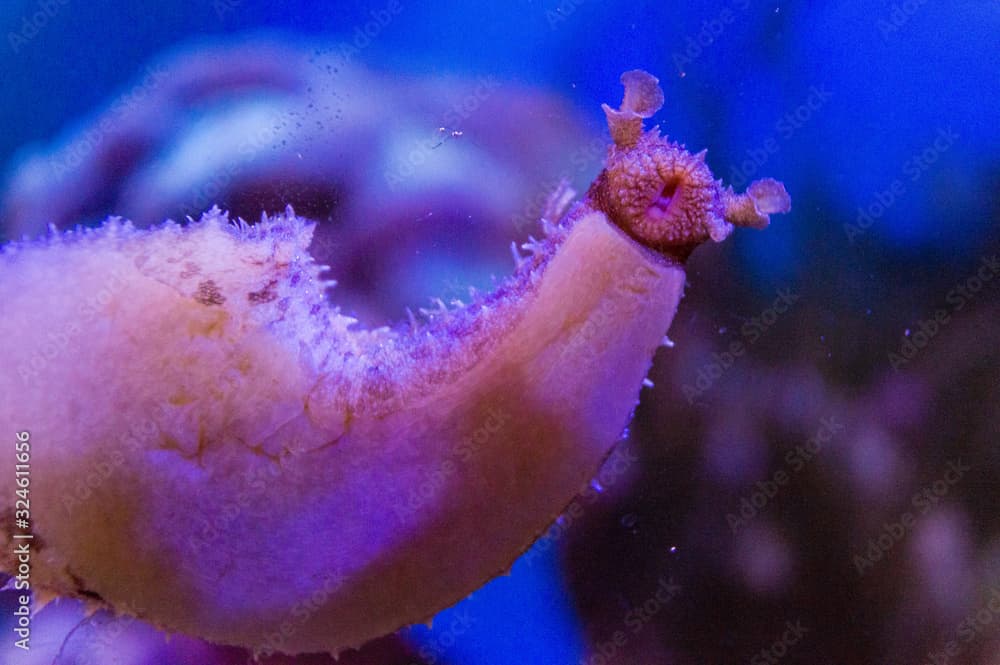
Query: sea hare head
{"points": [[228, 403], [661, 194]]}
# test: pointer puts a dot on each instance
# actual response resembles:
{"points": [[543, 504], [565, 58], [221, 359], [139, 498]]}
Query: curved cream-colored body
{"points": [[216, 450], [184, 468]]}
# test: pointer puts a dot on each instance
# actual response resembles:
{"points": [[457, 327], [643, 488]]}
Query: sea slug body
{"points": [[200, 415]]}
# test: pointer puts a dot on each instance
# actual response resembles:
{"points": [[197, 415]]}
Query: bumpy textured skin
{"points": [[661, 194], [216, 450]]}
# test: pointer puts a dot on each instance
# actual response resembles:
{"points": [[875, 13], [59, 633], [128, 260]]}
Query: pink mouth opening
{"points": [[661, 206]]}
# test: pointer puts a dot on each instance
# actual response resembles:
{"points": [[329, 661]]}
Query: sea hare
{"points": [[217, 451]]}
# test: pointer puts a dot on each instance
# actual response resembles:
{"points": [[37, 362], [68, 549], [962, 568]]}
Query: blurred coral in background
{"points": [[814, 476]]}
